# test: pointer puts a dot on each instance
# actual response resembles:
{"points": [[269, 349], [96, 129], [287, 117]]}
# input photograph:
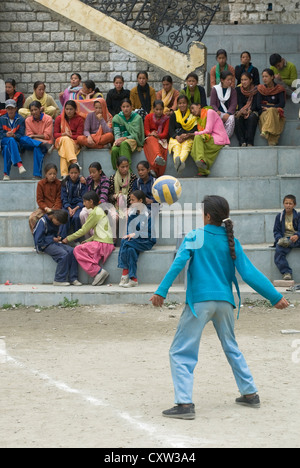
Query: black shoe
{"points": [[181, 412], [253, 402]]}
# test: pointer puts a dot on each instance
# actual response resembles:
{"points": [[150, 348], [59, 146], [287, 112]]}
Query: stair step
{"points": [[14, 228], [49, 296]]}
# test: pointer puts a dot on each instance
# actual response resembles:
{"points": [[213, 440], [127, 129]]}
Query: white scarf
{"points": [[221, 97]]}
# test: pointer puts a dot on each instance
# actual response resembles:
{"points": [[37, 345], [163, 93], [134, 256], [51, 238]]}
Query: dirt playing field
{"points": [[99, 377]]}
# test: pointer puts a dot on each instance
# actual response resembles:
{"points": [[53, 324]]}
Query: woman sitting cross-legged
{"points": [[223, 100], [210, 138], [97, 127], [183, 125], [67, 128]]}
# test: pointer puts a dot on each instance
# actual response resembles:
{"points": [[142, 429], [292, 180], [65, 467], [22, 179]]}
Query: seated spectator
{"points": [[48, 195], [72, 191], [285, 72], [39, 136], [48, 104], [248, 112], [116, 95], [271, 99], [128, 131], [156, 139], [181, 131], [168, 95], [142, 96], [67, 128], [287, 235], [195, 93], [12, 93], [97, 127], [72, 91], [89, 91], [222, 65], [12, 129], [145, 182], [246, 66], [210, 138], [223, 100]]}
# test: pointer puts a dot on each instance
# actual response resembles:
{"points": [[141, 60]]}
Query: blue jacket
{"points": [[43, 233], [18, 126], [71, 194], [211, 270], [279, 226], [146, 188]]}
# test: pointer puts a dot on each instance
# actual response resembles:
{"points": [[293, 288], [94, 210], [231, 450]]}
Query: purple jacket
{"points": [[230, 104], [92, 124]]}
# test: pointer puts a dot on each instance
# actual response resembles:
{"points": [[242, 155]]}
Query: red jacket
{"points": [[76, 125], [150, 126]]}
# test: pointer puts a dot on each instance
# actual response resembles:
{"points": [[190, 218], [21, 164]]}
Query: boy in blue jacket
{"points": [[12, 129], [287, 235], [214, 254]]}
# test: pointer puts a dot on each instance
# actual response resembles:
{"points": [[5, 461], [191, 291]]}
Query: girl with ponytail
{"points": [[214, 255]]}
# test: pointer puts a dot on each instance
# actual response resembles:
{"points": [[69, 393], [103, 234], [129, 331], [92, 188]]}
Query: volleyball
{"points": [[167, 189]]}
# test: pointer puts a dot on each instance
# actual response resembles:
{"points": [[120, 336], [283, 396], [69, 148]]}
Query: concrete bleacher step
{"points": [[23, 265], [14, 229]]}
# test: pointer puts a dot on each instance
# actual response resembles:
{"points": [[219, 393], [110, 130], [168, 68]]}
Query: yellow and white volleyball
{"points": [[167, 189]]}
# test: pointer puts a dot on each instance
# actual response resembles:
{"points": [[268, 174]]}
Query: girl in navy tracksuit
{"points": [[72, 191], [138, 239], [47, 240]]}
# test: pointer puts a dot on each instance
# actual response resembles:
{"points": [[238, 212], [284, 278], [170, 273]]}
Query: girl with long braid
{"points": [[214, 254]]}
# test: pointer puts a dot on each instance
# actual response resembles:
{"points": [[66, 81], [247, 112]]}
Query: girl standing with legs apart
{"points": [[67, 128], [214, 255]]}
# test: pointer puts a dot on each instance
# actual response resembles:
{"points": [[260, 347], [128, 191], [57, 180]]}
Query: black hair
{"points": [[246, 52], [37, 84], [92, 196], [290, 197], [140, 195], [158, 102], [221, 52], [248, 75], [119, 77], [269, 71], [275, 59], [167, 78], [95, 165], [218, 209], [35, 104], [144, 163], [121, 159], [126, 100], [225, 73], [192, 75], [11, 81], [77, 74], [183, 96], [50, 166], [72, 104], [143, 73], [60, 215], [90, 84], [74, 166], [66, 179]]}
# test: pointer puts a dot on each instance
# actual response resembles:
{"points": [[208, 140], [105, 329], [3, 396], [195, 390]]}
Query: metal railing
{"points": [[175, 24]]}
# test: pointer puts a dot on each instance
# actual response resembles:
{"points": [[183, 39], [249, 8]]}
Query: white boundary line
{"points": [[155, 432]]}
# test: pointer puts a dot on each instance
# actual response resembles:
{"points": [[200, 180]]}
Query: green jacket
{"points": [[99, 222], [288, 73]]}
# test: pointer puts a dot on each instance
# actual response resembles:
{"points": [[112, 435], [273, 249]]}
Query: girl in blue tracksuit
{"points": [[140, 238], [214, 254], [72, 191], [47, 240]]}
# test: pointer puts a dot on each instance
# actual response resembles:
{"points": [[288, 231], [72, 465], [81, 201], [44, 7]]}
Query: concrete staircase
{"points": [[254, 181]]}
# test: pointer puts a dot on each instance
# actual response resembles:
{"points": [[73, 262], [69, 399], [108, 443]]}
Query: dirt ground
{"points": [[99, 377]]}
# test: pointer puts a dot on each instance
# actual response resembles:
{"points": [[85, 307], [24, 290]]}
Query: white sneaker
{"points": [[58, 283], [22, 170], [100, 278], [76, 283], [6, 177], [124, 281], [131, 284]]}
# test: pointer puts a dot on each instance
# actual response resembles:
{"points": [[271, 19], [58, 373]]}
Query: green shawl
{"points": [[131, 129]]}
